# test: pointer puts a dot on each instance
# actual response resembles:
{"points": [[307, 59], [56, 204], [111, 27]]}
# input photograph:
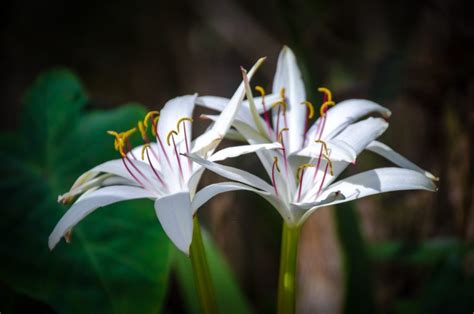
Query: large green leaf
{"points": [[229, 296], [119, 258]]}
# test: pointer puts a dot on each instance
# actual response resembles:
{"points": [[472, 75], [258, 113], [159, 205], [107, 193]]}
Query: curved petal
{"points": [[371, 182], [175, 215], [217, 188], [343, 114], [360, 134], [219, 103], [388, 153], [233, 173], [288, 76], [338, 150], [90, 202], [207, 143], [235, 151]]}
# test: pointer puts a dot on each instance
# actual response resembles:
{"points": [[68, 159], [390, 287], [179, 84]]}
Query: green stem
{"points": [[287, 279], [202, 275]]}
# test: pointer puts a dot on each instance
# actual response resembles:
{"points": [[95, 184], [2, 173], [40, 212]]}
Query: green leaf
{"points": [[119, 259], [229, 296]]}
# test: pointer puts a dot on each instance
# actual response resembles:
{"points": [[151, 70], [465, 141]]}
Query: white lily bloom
{"points": [[157, 171], [304, 171]]}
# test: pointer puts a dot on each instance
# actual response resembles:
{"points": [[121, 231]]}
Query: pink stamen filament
{"points": [[154, 170], [322, 181], [161, 144], [317, 165], [131, 173], [273, 179], [266, 116], [177, 158], [129, 147], [139, 172], [187, 146], [277, 123], [300, 184]]}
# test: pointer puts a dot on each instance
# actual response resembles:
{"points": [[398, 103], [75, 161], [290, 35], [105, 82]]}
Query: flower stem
{"points": [[202, 275], [287, 279]]}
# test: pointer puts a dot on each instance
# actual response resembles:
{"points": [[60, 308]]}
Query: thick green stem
{"points": [[202, 275], [287, 279]]}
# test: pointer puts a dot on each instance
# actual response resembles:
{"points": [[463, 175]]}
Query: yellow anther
{"points": [[182, 120], [301, 169], [155, 125], [323, 109], [150, 115], [126, 134], [113, 133], [260, 90], [142, 128], [168, 137], [275, 163], [119, 143], [331, 169], [281, 102], [143, 150], [282, 94], [280, 135], [310, 108], [325, 146], [327, 92]]}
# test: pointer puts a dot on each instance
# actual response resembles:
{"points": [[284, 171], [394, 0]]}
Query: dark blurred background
{"points": [[414, 57]]}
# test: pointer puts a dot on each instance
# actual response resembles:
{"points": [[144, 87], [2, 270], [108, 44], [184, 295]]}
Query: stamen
{"points": [[327, 93], [144, 149], [325, 147], [150, 115], [328, 164], [155, 125], [275, 166], [170, 135], [280, 139], [265, 112], [142, 128], [186, 137], [324, 107], [299, 176], [310, 108]]}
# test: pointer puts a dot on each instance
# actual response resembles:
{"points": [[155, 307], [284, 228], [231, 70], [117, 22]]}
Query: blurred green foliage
{"points": [[119, 259]]}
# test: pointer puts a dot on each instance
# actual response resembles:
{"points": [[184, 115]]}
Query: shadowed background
{"points": [[413, 57]]}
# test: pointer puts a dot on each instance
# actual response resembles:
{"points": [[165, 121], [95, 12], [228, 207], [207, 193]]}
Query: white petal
{"points": [[175, 215], [288, 76], [388, 153], [90, 202], [235, 151], [360, 134], [338, 150], [372, 182], [219, 103], [233, 173], [223, 123], [343, 114], [217, 188]]}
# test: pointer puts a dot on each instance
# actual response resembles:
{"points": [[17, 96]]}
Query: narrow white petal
{"points": [[217, 188], [90, 202], [360, 134], [236, 151], [233, 173], [224, 122], [343, 114], [219, 103], [175, 215], [368, 183], [388, 153], [338, 150], [288, 76]]}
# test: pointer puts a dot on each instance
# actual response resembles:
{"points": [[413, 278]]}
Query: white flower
{"points": [[304, 171], [156, 170]]}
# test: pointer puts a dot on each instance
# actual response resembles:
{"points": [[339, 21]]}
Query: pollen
{"points": [[170, 134], [325, 146], [183, 120], [301, 169], [310, 108], [275, 163], [261, 90], [331, 169], [147, 145], [280, 134], [324, 107], [150, 115], [327, 92], [142, 128]]}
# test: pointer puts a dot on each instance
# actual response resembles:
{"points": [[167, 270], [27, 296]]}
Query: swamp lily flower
{"points": [[304, 170], [156, 170]]}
